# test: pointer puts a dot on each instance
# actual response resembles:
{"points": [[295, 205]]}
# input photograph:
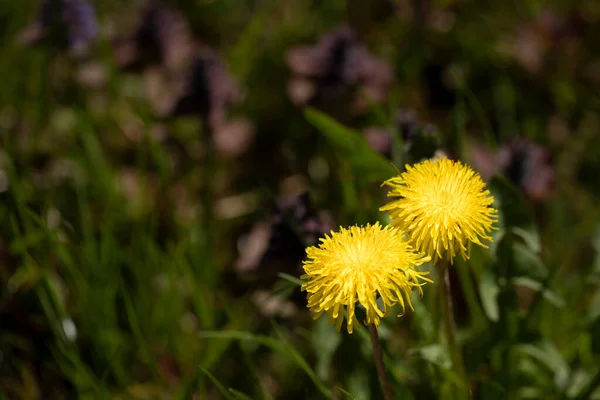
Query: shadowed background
{"points": [[164, 164]]}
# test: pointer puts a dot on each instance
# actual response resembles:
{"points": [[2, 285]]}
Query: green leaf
{"points": [[530, 236], [534, 373], [283, 347], [347, 393], [243, 56], [527, 263], [435, 354], [325, 340], [529, 392], [357, 382], [26, 276], [548, 294], [241, 335], [596, 245], [439, 355], [489, 289], [218, 384], [290, 278], [301, 362], [584, 384], [351, 146], [547, 355], [497, 237], [422, 319], [515, 212], [593, 312], [239, 395]]}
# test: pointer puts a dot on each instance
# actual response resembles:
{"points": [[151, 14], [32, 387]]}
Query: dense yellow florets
{"points": [[443, 207], [358, 265]]}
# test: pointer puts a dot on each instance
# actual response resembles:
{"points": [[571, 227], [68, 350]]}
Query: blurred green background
{"points": [[163, 166]]}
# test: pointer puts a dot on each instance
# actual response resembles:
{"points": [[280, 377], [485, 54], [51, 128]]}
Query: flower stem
{"points": [[450, 328], [386, 387]]}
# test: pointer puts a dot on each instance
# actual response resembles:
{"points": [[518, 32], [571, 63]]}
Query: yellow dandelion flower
{"points": [[359, 264], [443, 207]]}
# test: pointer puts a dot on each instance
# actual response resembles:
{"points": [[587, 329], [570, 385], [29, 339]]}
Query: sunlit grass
{"points": [[118, 272]]}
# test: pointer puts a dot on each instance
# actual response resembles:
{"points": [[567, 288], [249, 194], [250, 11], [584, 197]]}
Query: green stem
{"points": [[450, 328], [386, 387], [208, 173], [470, 292]]}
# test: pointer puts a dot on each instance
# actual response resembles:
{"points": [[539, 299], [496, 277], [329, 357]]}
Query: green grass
{"points": [[117, 275]]}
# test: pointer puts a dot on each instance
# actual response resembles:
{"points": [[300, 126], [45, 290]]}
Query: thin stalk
{"points": [[208, 172], [470, 292], [386, 387], [450, 328], [205, 252]]}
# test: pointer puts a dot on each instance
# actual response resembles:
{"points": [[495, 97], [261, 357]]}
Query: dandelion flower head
{"points": [[443, 207], [360, 264]]}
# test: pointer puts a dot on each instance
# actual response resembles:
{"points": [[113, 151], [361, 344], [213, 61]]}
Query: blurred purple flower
{"points": [[233, 138], [528, 165], [297, 217], [294, 224], [163, 37], [524, 162], [408, 124], [381, 140], [336, 65], [208, 89], [415, 134], [71, 24], [534, 40], [189, 81]]}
